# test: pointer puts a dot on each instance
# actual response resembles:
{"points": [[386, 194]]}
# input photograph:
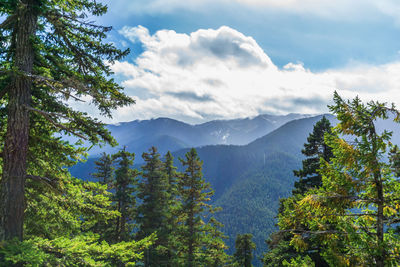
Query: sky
{"points": [[199, 60]]}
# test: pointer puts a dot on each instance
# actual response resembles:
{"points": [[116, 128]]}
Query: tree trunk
{"points": [[12, 187], [191, 222], [380, 257]]}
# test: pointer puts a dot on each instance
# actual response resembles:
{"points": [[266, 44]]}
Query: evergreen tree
{"points": [[355, 211], [105, 175], [105, 170], [194, 193], [125, 186], [244, 250], [154, 209], [172, 176], [49, 54], [314, 150], [173, 207]]}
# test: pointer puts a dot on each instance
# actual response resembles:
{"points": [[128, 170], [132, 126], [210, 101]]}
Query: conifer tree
{"points": [[194, 193], [126, 180], [49, 54], [244, 250], [153, 211], [314, 150], [173, 207], [105, 170], [172, 175], [105, 175]]}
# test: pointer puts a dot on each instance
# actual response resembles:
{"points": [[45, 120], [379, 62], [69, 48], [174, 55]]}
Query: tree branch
{"points": [[7, 21], [47, 81], [3, 92], [48, 117], [41, 179]]}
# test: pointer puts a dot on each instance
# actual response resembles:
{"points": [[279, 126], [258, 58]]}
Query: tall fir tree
{"points": [[49, 54], [172, 175], [193, 231], [173, 207], [105, 170], [244, 247], [105, 176], [126, 180], [314, 150], [153, 212]]}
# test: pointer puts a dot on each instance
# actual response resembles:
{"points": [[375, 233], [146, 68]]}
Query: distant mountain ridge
{"points": [[169, 134]]}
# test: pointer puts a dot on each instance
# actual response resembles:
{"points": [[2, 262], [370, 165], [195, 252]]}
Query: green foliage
{"points": [[71, 61], [355, 211], [82, 250], [299, 262], [105, 170], [125, 186], [244, 250], [81, 205]]}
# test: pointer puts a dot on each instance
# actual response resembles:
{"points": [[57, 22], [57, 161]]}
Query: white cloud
{"points": [[224, 74]]}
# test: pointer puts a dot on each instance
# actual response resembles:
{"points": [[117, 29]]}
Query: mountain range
{"points": [[168, 134]]}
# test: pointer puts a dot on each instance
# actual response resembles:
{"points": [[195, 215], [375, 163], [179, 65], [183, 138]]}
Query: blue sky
{"points": [[198, 60], [319, 41]]}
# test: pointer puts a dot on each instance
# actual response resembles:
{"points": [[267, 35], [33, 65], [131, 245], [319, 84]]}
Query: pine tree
{"points": [[126, 180], [244, 250], [194, 194], [173, 207], [314, 150], [49, 54], [172, 175], [154, 208], [105, 175], [105, 170]]}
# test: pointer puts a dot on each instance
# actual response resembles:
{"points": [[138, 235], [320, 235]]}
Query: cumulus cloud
{"points": [[221, 73]]}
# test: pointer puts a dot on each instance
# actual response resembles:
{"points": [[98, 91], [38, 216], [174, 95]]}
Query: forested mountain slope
{"points": [[248, 180]]}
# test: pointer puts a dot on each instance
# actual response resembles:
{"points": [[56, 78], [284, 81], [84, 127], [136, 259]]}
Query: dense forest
{"points": [[343, 209]]}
